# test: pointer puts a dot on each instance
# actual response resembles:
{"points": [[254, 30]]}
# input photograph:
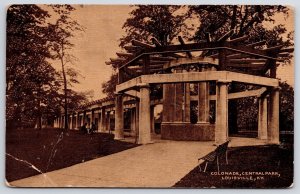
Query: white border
{"points": [[3, 6]]}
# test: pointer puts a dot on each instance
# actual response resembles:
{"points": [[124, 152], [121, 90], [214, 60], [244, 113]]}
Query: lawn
{"points": [[51, 149], [249, 167]]}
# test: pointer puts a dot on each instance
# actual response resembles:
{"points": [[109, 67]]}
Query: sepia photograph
{"points": [[149, 96]]}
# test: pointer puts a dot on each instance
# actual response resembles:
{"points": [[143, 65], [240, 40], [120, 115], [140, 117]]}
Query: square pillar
{"points": [[221, 130], [103, 120], [107, 122], [132, 122], [262, 118], [144, 115], [273, 124], [203, 102], [152, 119], [92, 117], [119, 117], [71, 121], [187, 103]]}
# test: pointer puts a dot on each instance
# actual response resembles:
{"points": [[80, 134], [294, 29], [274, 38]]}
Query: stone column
{"points": [[203, 102], [83, 118], [221, 131], [144, 115], [132, 121], [71, 121], [107, 124], [273, 124], [137, 118], [103, 120], [168, 103], [262, 118], [187, 103], [152, 119], [92, 117], [119, 117]]}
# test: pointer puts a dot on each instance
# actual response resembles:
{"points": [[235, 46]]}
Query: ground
{"points": [[52, 149], [275, 162]]}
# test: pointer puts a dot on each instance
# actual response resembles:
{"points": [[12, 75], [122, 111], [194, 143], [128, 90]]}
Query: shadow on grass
{"points": [[52, 149], [249, 167]]}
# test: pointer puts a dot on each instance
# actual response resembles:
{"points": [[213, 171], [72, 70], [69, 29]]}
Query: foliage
{"points": [[33, 86], [61, 33], [29, 76], [109, 87], [163, 22], [286, 106], [252, 20]]}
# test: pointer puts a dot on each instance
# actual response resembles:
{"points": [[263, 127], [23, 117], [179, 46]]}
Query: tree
{"points": [[251, 20], [286, 115], [163, 22], [109, 87], [60, 34], [29, 75]]}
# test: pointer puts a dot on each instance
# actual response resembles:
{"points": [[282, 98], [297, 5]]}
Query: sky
{"points": [[100, 40]]}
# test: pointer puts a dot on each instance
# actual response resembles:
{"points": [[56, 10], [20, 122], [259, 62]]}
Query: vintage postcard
{"points": [[150, 96]]}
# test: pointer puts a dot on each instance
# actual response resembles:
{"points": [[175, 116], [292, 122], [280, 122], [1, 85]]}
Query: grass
{"points": [[271, 160], [51, 149]]}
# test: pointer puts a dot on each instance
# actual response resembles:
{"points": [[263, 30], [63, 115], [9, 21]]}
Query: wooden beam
{"points": [[225, 36], [146, 64], [171, 50], [141, 44], [131, 48], [222, 59], [289, 50], [285, 54], [239, 39], [260, 43], [117, 60], [157, 62], [165, 59], [182, 43], [156, 66], [237, 56], [274, 48], [247, 65], [216, 55], [155, 42], [240, 61], [124, 54]]}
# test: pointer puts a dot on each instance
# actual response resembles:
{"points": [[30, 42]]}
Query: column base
{"points": [[187, 131]]}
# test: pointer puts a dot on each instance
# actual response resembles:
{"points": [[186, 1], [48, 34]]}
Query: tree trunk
{"points": [[65, 86]]}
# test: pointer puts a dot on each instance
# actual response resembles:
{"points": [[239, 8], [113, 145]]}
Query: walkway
{"points": [[161, 164]]}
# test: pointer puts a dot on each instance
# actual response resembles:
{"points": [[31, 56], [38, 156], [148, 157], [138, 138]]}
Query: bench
{"points": [[214, 155]]}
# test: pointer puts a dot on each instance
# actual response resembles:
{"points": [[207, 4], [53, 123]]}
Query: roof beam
{"points": [[239, 39], [188, 54], [239, 61], [124, 54], [141, 44], [247, 65], [155, 42]]}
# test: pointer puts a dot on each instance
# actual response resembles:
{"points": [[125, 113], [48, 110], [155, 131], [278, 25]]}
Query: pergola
{"points": [[223, 61]]}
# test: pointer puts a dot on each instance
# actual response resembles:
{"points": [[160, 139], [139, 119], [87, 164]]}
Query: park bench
{"points": [[214, 155]]}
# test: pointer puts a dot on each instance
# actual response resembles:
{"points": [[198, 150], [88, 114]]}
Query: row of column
{"points": [[268, 116], [77, 120], [141, 118]]}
